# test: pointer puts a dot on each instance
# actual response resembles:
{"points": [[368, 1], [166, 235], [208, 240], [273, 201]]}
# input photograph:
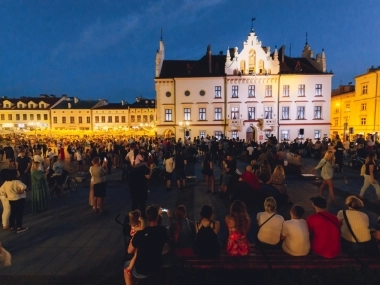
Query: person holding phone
{"points": [[98, 172]]}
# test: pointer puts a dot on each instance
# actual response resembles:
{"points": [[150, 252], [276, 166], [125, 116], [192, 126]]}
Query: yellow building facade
{"points": [[355, 109]]}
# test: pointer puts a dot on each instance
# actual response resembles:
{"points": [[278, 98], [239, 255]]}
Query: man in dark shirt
{"points": [[230, 168], [180, 163], [9, 154], [148, 243], [23, 165]]}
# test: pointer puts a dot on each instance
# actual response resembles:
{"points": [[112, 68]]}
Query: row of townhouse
{"points": [[70, 113], [250, 94], [355, 109]]}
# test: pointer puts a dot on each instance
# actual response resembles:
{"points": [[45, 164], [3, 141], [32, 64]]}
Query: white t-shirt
{"points": [[250, 150], [297, 241], [271, 231], [131, 155], [79, 156], [359, 223]]}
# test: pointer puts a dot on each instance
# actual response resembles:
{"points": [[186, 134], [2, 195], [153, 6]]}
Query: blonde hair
{"points": [[279, 170], [270, 204], [35, 165], [354, 202], [329, 155]]}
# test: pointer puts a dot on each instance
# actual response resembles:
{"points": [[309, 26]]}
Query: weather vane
{"points": [[252, 23]]}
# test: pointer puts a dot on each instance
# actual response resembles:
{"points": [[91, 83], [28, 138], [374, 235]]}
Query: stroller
{"points": [[126, 233]]}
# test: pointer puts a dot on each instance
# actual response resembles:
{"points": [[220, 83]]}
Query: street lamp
{"points": [[184, 128]]}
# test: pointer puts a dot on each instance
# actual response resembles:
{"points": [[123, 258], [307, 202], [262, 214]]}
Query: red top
{"points": [[251, 179], [324, 230]]}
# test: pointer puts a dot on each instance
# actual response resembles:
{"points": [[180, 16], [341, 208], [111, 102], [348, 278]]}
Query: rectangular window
{"points": [[63, 120], [109, 119], [202, 114], [251, 91], [24, 117], [268, 90], [202, 134], [10, 117], [138, 118], [318, 112], [300, 112], [364, 89], [80, 120], [218, 91], [218, 134], [88, 120], [187, 114], [234, 135], [18, 117], [268, 112], [234, 113], [116, 119], [318, 89], [168, 115], [103, 119], [251, 113], [235, 91], [363, 121], [364, 106], [55, 120], [336, 122], [145, 118], [2, 117], [123, 119], [285, 90], [285, 113], [285, 135], [218, 114], [133, 119], [45, 117], [31, 117], [317, 134], [348, 107], [301, 90], [39, 117], [72, 120], [96, 119]]}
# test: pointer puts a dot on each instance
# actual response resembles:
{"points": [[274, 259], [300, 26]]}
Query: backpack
{"points": [[206, 241]]}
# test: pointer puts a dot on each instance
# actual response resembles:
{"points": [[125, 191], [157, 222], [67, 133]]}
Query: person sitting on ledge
{"points": [[295, 233]]}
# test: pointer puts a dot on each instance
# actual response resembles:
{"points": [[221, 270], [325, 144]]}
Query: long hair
{"points": [[329, 155], [238, 212], [279, 170], [180, 214], [134, 218]]}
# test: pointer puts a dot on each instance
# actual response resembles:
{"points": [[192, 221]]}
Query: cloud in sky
{"points": [[103, 34]]}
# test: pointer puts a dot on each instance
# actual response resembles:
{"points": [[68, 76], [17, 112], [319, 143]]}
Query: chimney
{"points": [[209, 58], [122, 103], [75, 100], [69, 105]]}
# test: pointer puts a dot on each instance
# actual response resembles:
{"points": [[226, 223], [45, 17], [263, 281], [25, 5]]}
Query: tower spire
{"points": [[306, 40], [161, 35], [252, 23]]}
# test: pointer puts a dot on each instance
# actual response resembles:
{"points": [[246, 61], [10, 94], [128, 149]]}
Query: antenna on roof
{"points": [[306, 40], [290, 50], [252, 24]]}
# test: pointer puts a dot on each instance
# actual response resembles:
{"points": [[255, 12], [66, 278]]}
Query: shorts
{"points": [[100, 190], [134, 271], [168, 175], [80, 162], [226, 179], [180, 174]]}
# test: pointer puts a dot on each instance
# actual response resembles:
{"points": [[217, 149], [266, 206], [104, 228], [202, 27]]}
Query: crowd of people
{"points": [[262, 183]]}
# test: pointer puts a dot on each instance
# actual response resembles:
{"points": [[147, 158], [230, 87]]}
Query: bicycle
{"points": [[69, 183]]}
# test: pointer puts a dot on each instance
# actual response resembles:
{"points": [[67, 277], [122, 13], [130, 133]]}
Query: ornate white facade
{"points": [[250, 94]]}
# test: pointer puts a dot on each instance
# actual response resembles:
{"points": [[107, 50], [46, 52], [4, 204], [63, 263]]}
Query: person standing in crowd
{"points": [[1, 152], [339, 153], [138, 185], [208, 172], [169, 165], [238, 223], [370, 175], [78, 155], [62, 152], [148, 245], [40, 189], [23, 165], [230, 168], [324, 229], [180, 163], [15, 191], [327, 164], [4, 201], [99, 172], [295, 233]]}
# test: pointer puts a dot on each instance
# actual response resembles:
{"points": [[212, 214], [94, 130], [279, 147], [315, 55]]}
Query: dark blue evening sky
{"points": [[106, 49]]}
